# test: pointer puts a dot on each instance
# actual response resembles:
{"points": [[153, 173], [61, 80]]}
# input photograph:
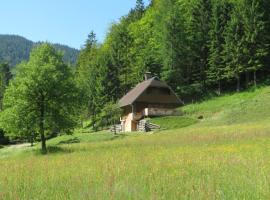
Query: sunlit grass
{"points": [[216, 158], [232, 109], [173, 122]]}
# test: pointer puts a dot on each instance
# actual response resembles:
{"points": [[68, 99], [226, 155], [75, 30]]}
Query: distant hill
{"points": [[15, 49]]}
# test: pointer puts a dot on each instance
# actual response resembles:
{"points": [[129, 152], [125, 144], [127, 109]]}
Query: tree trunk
{"points": [[32, 139], [238, 83], [94, 122], [41, 126], [219, 87], [114, 129], [202, 77], [81, 123], [255, 78], [247, 79], [43, 143]]}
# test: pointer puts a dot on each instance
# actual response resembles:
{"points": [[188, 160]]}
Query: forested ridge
{"points": [[15, 49], [196, 46], [200, 48]]}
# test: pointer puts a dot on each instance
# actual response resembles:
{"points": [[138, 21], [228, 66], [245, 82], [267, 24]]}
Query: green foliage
{"points": [[4, 140], [234, 47], [255, 29], [195, 46], [42, 97], [5, 77], [220, 18], [110, 115], [176, 66], [118, 44], [89, 78], [145, 49]]}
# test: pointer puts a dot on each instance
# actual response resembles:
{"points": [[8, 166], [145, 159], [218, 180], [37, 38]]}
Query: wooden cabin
{"points": [[152, 97]]}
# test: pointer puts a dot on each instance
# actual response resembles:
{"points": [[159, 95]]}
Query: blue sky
{"points": [[61, 21]]}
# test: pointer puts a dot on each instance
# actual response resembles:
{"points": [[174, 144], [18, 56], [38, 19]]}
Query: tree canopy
{"points": [[42, 97]]}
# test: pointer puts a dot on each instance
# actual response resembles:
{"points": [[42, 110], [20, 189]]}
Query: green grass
{"points": [[83, 138], [244, 107], [226, 155], [173, 122]]}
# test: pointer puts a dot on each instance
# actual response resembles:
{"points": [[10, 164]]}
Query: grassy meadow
{"points": [[224, 155]]}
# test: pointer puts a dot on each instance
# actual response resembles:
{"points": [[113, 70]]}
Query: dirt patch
{"points": [[20, 146]]}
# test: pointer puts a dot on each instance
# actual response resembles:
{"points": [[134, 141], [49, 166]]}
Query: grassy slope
{"points": [[224, 156]]}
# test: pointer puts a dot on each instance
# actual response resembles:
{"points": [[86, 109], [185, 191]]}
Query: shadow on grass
{"points": [[117, 137], [54, 150], [58, 149], [70, 141]]}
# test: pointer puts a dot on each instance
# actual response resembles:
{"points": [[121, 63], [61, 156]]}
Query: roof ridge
{"points": [[146, 86], [140, 88]]}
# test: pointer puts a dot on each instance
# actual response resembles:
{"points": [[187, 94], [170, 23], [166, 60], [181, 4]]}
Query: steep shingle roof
{"points": [[136, 92]]}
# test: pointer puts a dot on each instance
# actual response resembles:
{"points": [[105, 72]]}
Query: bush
{"points": [[109, 115], [190, 93], [4, 140]]}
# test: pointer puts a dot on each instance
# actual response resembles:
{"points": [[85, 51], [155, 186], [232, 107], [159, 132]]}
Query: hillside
{"points": [[225, 155], [15, 49]]}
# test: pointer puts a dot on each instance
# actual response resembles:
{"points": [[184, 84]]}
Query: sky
{"points": [[61, 21]]}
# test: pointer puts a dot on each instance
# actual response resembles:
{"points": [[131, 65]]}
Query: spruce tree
{"points": [[219, 20], [176, 52], [5, 77], [256, 42], [120, 42], [234, 47], [199, 36], [86, 78]]}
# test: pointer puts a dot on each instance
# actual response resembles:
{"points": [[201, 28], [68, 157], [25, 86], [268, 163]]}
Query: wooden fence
{"points": [[146, 126]]}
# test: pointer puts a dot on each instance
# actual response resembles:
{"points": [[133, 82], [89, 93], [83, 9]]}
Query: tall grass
{"points": [[173, 122], [217, 160]]}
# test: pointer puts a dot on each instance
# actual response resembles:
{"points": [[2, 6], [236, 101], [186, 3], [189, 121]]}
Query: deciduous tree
{"points": [[42, 96]]}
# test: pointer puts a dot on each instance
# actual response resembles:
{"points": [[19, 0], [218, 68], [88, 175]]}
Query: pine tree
{"points": [[137, 12], [110, 75], [5, 77], [234, 47], [256, 43], [145, 51], [176, 52], [120, 42], [220, 18], [86, 78], [91, 41], [139, 6], [199, 33]]}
